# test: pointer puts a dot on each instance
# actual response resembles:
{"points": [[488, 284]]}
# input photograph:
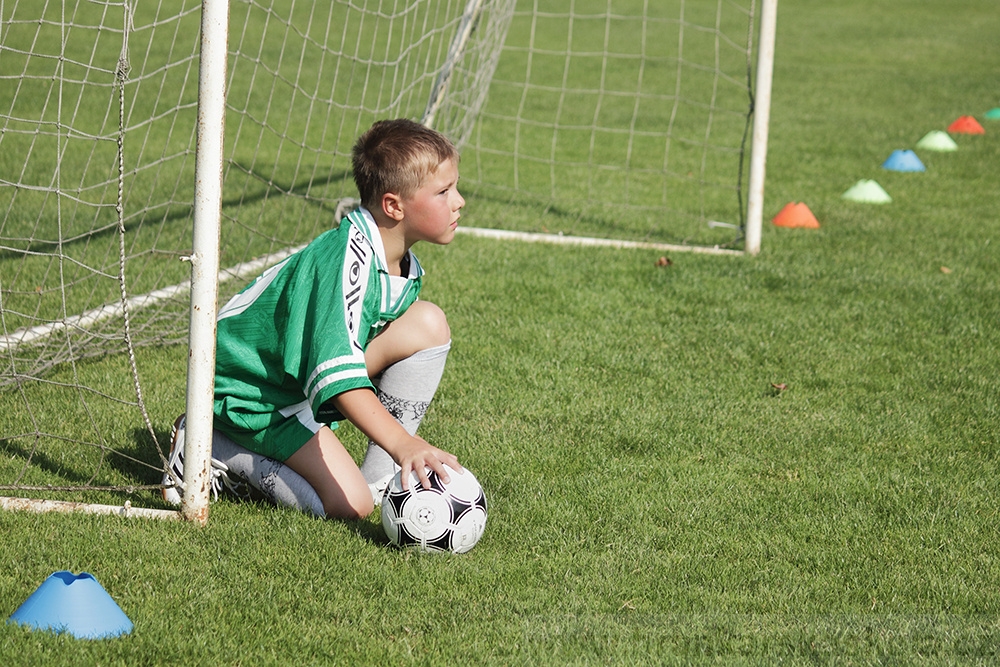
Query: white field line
{"points": [[256, 266], [560, 239], [84, 320]]}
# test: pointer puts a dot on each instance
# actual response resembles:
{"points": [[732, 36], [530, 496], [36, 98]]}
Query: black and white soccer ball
{"points": [[446, 517]]}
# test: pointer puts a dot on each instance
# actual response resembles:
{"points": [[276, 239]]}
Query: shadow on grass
{"points": [[101, 475], [42, 461], [267, 186], [368, 529]]}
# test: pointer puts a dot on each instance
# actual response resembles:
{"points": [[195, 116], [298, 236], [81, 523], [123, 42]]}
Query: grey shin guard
{"points": [[406, 389], [272, 479]]}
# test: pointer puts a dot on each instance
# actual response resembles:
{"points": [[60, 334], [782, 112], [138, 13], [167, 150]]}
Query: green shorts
{"points": [[277, 435]]}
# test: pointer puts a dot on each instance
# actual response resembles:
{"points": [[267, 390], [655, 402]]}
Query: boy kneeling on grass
{"points": [[307, 343]]}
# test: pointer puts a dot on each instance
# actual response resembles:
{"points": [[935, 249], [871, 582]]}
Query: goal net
{"points": [[620, 119]]}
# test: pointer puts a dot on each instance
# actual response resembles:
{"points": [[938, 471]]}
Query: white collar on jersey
{"points": [[363, 220]]}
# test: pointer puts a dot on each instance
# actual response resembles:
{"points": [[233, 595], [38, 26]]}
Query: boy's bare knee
{"points": [[357, 507], [432, 323], [423, 326]]}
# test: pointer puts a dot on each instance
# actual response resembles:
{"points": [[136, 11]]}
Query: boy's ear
{"points": [[392, 206]]}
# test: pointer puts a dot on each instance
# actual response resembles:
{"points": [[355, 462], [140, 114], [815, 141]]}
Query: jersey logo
{"points": [[355, 277]]}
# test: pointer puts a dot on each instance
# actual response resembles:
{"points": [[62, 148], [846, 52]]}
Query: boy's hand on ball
{"points": [[418, 455]]}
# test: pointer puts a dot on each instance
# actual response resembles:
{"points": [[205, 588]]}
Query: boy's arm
{"points": [[363, 409]]}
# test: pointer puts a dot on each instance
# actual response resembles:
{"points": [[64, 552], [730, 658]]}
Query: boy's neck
{"points": [[396, 249]]}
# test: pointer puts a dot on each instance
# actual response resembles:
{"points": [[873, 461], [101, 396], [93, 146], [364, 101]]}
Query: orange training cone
{"points": [[796, 215], [966, 125]]}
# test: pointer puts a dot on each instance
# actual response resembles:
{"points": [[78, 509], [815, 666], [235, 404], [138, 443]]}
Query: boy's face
{"points": [[432, 212]]}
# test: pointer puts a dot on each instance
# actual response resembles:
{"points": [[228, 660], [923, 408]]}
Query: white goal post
{"points": [[204, 258], [761, 125], [155, 157]]}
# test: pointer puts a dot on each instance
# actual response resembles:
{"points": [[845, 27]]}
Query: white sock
{"points": [[274, 480], [406, 389]]}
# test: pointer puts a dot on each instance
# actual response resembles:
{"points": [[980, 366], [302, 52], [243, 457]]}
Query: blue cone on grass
{"points": [[903, 161], [75, 604]]}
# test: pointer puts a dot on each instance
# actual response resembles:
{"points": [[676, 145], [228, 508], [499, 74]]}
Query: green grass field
{"points": [[654, 497]]}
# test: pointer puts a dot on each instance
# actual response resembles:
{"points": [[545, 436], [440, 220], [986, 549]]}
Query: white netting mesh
{"points": [[614, 118], [618, 119], [86, 240]]}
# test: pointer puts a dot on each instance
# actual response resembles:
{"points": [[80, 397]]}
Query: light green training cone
{"points": [[867, 192], [937, 141]]}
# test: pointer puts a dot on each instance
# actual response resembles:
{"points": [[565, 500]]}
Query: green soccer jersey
{"points": [[297, 335]]}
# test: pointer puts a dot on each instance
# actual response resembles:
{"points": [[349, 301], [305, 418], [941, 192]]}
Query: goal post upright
{"points": [[761, 121], [469, 19], [204, 258]]}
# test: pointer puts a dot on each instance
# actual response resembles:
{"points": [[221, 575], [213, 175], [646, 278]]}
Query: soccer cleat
{"points": [[173, 478], [378, 488]]}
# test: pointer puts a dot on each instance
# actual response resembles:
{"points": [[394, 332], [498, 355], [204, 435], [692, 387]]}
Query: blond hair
{"points": [[397, 156]]}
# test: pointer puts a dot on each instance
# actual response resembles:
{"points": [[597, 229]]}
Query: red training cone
{"points": [[796, 215], [966, 125]]}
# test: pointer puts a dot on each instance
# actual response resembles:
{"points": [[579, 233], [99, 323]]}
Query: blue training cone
{"points": [[904, 161], [75, 604]]}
